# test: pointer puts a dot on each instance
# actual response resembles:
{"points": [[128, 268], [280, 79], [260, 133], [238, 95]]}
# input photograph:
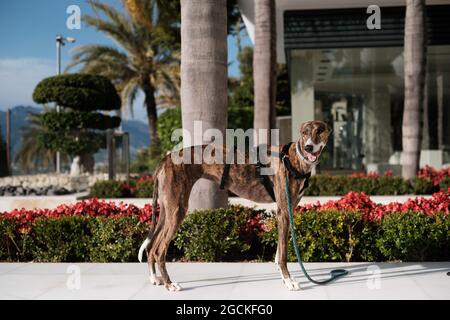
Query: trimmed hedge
{"points": [[414, 237], [75, 120], [220, 234], [73, 238], [109, 189], [326, 185], [75, 130], [337, 236], [134, 188], [67, 142], [83, 92], [329, 236], [320, 185], [232, 234]]}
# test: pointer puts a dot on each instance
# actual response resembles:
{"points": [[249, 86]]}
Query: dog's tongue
{"points": [[311, 157]]}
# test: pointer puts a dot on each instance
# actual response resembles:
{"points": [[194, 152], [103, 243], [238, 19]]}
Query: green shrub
{"points": [[73, 120], [108, 189], [387, 185], [414, 237], [328, 236], [231, 234], [444, 183], [87, 142], [65, 239], [80, 239], [144, 189], [141, 188], [326, 185], [13, 242], [76, 131], [214, 235], [116, 239], [167, 123], [83, 92], [141, 162], [423, 186]]}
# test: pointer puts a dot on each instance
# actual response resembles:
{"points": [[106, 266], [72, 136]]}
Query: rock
{"points": [[51, 192], [61, 191], [20, 191]]}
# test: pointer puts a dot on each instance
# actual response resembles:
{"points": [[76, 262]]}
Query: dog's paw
{"points": [[157, 281], [291, 284], [173, 287]]}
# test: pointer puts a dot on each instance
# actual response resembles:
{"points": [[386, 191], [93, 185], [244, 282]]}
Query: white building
{"points": [[351, 76]]}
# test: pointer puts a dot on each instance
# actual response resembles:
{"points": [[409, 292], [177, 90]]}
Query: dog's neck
{"points": [[300, 161]]}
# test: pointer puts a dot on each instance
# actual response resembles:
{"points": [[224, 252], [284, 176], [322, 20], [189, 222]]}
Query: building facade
{"points": [[349, 73]]}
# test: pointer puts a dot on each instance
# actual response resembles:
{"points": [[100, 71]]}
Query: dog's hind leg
{"points": [[281, 256], [154, 279], [177, 215]]}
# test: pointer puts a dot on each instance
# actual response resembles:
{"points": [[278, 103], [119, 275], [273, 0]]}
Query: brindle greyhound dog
{"points": [[173, 183]]}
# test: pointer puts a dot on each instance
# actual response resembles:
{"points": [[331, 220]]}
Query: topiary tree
{"points": [[77, 130]]}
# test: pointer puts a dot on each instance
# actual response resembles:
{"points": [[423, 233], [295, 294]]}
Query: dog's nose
{"points": [[309, 148]]}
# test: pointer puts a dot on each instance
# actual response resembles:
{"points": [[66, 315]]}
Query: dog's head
{"points": [[313, 138]]}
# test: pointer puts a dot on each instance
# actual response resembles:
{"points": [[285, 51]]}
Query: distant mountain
{"points": [[139, 134], [18, 122], [138, 131]]}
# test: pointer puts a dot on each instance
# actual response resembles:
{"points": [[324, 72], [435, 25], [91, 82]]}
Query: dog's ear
{"points": [[303, 126]]}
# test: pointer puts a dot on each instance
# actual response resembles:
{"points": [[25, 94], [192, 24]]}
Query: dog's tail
{"points": [[149, 237]]}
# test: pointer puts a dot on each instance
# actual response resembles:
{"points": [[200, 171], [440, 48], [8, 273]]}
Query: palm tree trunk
{"points": [[426, 117], [440, 108], [264, 66], [415, 63], [204, 82], [152, 117]]}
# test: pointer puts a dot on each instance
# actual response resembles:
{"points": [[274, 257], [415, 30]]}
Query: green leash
{"points": [[334, 274]]}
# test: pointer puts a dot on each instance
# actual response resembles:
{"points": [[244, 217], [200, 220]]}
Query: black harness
{"points": [[267, 183], [284, 156]]}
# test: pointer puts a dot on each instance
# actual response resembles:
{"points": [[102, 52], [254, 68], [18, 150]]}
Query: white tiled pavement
{"points": [[224, 281]]}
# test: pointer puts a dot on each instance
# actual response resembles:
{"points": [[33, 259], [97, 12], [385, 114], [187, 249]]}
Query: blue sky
{"points": [[28, 52]]}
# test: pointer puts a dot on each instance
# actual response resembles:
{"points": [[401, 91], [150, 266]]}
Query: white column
{"points": [[302, 90], [377, 125]]}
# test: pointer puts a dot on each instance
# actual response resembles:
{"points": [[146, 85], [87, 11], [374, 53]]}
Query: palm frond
{"points": [[129, 93], [147, 57]]}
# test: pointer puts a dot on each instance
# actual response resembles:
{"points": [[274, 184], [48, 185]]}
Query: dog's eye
{"points": [[319, 131]]}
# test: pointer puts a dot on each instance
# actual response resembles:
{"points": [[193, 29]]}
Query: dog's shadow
{"points": [[356, 274]]}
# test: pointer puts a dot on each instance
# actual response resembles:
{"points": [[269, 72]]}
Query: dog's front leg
{"points": [[281, 255]]}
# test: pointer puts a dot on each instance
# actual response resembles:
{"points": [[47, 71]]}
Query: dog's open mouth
{"points": [[313, 156]]}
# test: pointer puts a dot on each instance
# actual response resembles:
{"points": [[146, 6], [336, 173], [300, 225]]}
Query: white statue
{"points": [[75, 167]]}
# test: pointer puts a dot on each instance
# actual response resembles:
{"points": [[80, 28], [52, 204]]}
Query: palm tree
{"points": [[145, 60], [264, 66], [415, 73], [204, 81], [32, 155]]}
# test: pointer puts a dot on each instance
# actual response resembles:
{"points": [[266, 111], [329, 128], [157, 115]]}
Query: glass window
{"points": [[359, 91]]}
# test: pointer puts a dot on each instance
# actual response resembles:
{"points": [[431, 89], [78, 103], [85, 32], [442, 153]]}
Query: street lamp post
{"points": [[60, 41]]}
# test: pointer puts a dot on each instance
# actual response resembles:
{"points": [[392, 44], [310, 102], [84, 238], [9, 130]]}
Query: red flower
{"points": [[360, 202], [91, 207], [435, 175]]}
